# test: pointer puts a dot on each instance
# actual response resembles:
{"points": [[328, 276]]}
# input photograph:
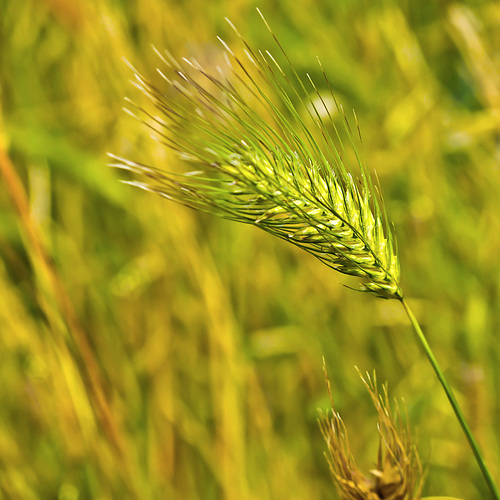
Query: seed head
{"points": [[266, 151], [398, 472]]}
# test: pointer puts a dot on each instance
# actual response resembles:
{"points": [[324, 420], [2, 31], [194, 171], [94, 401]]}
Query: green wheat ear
{"points": [[258, 162], [267, 152]]}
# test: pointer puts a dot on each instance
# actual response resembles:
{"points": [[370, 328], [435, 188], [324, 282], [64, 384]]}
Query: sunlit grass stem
{"points": [[267, 151], [55, 301], [454, 403]]}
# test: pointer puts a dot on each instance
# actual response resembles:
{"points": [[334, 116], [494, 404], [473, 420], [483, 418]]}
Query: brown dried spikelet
{"points": [[398, 471]]}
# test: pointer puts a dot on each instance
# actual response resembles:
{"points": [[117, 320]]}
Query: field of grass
{"points": [[148, 351]]}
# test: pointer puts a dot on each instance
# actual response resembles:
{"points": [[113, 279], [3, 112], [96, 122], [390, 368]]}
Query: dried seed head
{"points": [[257, 161], [398, 473]]}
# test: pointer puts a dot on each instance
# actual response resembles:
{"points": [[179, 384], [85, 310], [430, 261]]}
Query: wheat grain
{"points": [[267, 152], [258, 162], [398, 471]]}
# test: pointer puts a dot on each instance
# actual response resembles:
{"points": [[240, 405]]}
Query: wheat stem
{"points": [[454, 403], [267, 151]]}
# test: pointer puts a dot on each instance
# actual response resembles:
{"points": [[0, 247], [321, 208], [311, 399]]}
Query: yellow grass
{"points": [[148, 351]]}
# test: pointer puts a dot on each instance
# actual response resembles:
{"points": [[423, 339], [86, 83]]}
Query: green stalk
{"points": [[257, 162], [456, 408]]}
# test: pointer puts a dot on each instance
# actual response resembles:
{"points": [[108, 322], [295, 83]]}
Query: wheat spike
{"points": [[398, 472], [257, 161]]}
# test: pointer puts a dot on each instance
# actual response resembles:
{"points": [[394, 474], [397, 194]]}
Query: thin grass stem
{"points": [[454, 403], [265, 154]]}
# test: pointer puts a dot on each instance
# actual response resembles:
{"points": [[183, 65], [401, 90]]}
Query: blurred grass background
{"points": [[151, 352]]}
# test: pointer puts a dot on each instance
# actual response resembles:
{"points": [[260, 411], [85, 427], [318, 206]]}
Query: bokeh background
{"points": [[151, 352]]}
